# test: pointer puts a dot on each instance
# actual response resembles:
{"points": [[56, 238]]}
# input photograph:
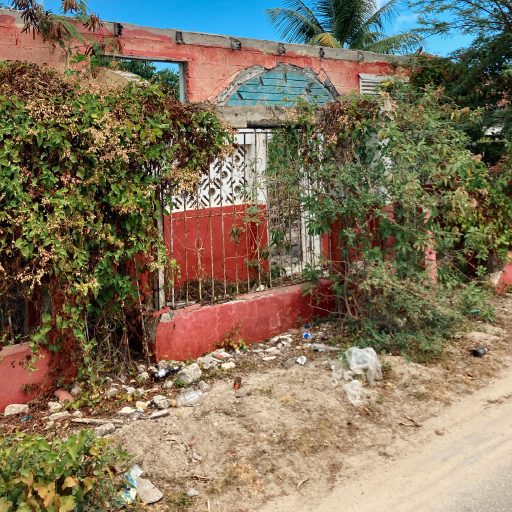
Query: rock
{"points": [[144, 376], [76, 390], [272, 349], [77, 414], [54, 407], [189, 374], [290, 363], [160, 414], [203, 386], [208, 362], [15, 409], [162, 402], [302, 360], [127, 411], [112, 392], [141, 406], [106, 429], [269, 358], [58, 416], [228, 366], [63, 395], [193, 493], [197, 457], [168, 384], [130, 390], [147, 492]]}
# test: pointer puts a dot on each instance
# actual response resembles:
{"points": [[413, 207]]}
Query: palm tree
{"points": [[356, 24]]}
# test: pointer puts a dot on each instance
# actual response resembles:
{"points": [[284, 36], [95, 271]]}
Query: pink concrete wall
{"points": [[211, 65], [196, 330]]}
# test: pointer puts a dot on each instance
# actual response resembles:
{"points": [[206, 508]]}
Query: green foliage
{"points": [[339, 24], [81, 176], [56, 476], [393, 179]]}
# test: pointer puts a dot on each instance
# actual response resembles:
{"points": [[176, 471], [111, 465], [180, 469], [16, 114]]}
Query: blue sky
{"points": [[232, 17]]}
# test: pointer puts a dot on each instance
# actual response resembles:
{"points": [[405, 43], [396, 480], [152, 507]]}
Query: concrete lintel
{"points": [[255, 117], [223, 41]]}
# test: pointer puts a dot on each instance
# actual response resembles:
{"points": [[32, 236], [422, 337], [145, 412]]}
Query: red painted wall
{"points": [[210, 66]]}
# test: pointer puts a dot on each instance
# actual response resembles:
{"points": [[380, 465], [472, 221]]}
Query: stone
{"points": [[189, 374], [271, 349], [127, 411], [112, 392], [228, 366], [130, 390], [59, 416], [193, 493], [141, 406], [15, 409], [77, 414], [203, 386], [106, 429], [197, 457], [76, 390], [54, 407], [159, 414], [147, 492], [144, 376], [63, 395], [208, 362], [221, 354], [269, 358], [302, 360], [162, 402], [168, 384]]}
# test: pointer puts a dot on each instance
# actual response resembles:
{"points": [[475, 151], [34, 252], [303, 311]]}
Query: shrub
{"points": [[56, 476]]}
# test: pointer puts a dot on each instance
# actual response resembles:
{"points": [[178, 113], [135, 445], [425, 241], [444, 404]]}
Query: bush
{"points": [[56, 476]]}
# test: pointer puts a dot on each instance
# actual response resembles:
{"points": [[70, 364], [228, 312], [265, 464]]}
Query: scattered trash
{"points": [[54, 407], [364, 362], [355, 392], [302, 360], [144, 376], [479, 351], [162, 402], [193, 493], [129, 494], [130, 390], [307, 335], [189, 374], [339, 372], [26, 418], [237, 383], [228, 366], [189, 398], [105, 429], [58, 416], [63, 395], [320, 347]]}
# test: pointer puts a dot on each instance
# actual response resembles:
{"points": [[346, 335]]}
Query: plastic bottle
{"points": [[189, 398]]}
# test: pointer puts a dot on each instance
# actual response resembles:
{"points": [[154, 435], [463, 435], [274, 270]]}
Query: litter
{"points": [[302, 360], [364, 362], [479, 351], [355, 392]]}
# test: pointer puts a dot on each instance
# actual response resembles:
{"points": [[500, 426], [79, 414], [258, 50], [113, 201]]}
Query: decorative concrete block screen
{"points": [[239, 232]]}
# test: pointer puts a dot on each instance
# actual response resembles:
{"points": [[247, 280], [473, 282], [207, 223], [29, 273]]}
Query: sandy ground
{"points": [[461, 461], [295, 440]]}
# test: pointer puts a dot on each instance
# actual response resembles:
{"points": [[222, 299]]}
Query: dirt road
{"points": [[461, 461]]}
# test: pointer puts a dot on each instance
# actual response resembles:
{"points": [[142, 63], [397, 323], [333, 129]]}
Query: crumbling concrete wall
{"points": [[210, 62]]}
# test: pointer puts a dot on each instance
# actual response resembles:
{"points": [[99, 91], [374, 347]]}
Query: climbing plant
{"points": [[390, 181], [81, 175]]}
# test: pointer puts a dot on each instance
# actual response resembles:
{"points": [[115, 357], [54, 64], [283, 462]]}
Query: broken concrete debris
{"points": [[189, 374], [161, 402], [228, 366], [105, 429], [58, 416], [127, 411], [15, 409], [54, 407]]}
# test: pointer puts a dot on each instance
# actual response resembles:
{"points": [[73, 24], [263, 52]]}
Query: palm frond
{"points": [[406, 42], [295, 22], [325, 39], [385, 14]]}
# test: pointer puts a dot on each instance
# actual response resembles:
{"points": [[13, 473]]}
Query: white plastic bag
{"points": [[364, 361], [355, 392]]}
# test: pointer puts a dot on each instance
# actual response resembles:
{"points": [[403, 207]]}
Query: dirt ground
{"points": [[296, 434]]}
